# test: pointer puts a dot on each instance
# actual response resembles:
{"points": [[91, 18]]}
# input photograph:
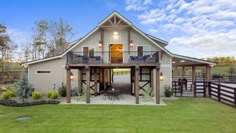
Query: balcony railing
{"points": [[113, 57]]}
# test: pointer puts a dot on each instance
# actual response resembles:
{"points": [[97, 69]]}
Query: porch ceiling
{"points": [[179, 60]]}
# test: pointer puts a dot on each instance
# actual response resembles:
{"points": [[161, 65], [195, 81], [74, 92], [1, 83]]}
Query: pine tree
{"points": [[23, 88]]}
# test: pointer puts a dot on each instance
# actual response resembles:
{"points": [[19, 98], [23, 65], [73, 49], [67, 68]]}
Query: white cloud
{"points": [[153, 30], [137, 5], [203, 27]]}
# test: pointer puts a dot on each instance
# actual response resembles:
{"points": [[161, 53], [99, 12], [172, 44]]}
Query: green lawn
{"points": [[221, 69], [199, 115]]}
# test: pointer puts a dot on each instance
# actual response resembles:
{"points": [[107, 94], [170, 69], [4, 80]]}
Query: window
{"points": [[91, 52], [43, 72], [88, 51]]}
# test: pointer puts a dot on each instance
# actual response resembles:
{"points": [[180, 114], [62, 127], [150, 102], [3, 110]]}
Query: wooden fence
{"points": [[222, 93], [200, 88], [9, 77]]}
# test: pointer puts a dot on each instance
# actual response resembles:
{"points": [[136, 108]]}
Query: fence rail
{"points": [[222, 93]]}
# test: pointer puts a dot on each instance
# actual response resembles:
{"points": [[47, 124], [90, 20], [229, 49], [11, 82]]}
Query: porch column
{"points": [[88, 84], [136, 82], [208, 78], [102, 41], [208, 73], [68, 85], [183, 71], [193, 77], [176, 73], [95, 81], [80, 81], [157, 86], [128, 41], [151, 79]]}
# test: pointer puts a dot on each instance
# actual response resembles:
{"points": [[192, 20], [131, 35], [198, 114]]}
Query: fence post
{"points": [[209, 89], [235, 97], [195, 87], [218, 90], [204, 88]]}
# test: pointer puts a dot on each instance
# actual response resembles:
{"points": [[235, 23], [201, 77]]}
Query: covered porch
{"points": [[100, 74], [186, 72]]}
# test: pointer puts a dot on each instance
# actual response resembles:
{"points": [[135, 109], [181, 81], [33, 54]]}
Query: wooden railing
{"points": [[98, 57]]}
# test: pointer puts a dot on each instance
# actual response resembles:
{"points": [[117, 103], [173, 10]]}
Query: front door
{"points": [[116, 53]]}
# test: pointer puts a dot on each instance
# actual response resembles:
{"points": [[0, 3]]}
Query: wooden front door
{"points": [[85, 51], [116, 53], [140, 50]]}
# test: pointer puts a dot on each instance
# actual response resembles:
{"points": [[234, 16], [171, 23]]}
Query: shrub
{"points": [[49, 94], [23, 88], [6, 95], [36, 95], [12, 93], [168, 91], [62, 90], [13, 103], [54, 95]]}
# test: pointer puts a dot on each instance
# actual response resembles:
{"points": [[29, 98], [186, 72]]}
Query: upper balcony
{"points": [[113, 58]]}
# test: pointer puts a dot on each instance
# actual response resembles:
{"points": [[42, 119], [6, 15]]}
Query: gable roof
{"points": [[158, 42]]}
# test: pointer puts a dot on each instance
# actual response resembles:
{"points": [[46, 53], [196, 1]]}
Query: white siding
{"points": [[45, 82]]}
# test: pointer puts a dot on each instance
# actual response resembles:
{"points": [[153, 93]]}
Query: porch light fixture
{"points": [[161, 76], [100, 44], [131, 43], [182, 61], [115, 33], [71, 76], [173, 62]]}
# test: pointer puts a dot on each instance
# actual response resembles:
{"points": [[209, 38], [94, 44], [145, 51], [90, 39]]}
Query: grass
{"points": [[221, 69], [183, 115]]}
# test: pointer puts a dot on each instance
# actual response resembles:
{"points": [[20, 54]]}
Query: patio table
{"points": [[114, 94]]}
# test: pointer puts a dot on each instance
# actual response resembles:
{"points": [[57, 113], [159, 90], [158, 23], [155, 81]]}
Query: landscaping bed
{"points": [[14, 103]]}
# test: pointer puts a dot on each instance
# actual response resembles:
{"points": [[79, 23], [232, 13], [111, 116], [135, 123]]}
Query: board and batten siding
{"points": [[122, 38], [45, 82]]}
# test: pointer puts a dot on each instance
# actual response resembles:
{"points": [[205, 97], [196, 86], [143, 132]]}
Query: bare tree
{"points": [[40, 38], [4, 44], [51, 37], [61, 33]]}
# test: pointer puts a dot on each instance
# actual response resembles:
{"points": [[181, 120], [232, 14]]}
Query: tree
{"points": [[61, 33], [51, 37], [23, 88], [40, 38], [4, 40]]}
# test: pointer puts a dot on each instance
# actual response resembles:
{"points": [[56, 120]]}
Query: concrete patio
{"points": [[124, 99]]}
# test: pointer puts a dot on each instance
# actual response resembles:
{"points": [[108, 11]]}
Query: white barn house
{"points": [[114, 43]]}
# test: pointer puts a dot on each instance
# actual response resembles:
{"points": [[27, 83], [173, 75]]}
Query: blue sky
{"points": [[201, 28]]}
